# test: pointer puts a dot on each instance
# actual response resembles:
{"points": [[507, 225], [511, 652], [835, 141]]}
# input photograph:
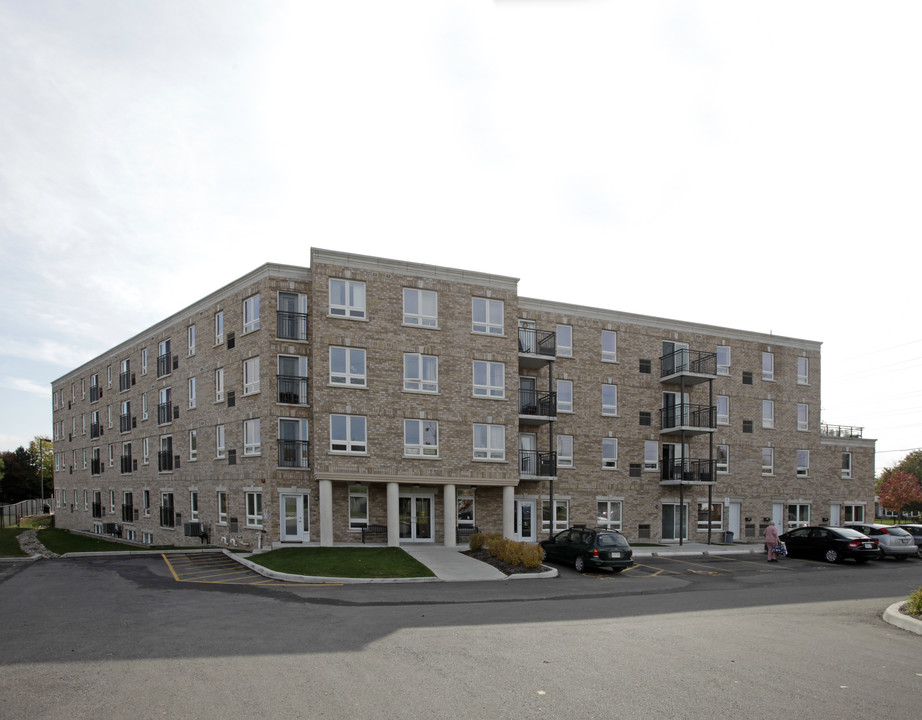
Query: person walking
{"points": [[771, 541]]}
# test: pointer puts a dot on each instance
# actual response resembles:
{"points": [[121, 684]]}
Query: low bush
{"points": [[914, 605], [513, 552], [477, 541]]}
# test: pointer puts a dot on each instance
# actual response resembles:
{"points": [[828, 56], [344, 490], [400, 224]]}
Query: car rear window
{"points": [[899, 532], [849, 533], [611, 540]]}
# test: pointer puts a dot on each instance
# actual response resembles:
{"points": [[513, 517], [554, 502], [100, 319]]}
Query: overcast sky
{"points": [[741, 164]]}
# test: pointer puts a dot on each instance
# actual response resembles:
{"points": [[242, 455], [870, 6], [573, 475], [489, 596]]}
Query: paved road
{"points": [[678, 638]]}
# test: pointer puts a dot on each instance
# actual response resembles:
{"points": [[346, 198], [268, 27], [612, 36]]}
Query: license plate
{"points": [[869, 546], [614, 555]]}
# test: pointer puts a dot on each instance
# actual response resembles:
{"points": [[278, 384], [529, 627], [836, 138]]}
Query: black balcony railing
{"points": [[686, 415], [688, 361], [124, 423], [94, 393], [165, 461], [292, 326], [293, 453], [164, 413], [164, 366], [167, 517], [96, 508], [124, 381], [688, 470], [292, 389], [94, 430], [535, 402], [127, 513], [126, 464], [539, 464], [95, 467], [537, 342]]}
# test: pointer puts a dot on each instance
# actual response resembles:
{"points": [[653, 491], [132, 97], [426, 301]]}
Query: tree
{"points": [[912, 465], [43, 447], [898, 491], [20, 476]]}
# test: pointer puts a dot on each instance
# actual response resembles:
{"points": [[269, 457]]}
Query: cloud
{"points": [[26, 385]]}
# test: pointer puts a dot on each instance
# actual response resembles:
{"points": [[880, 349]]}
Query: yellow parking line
{"points": [[686, 562], [187, 569]]}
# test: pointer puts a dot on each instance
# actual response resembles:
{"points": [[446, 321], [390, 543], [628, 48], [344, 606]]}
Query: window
{"points": [[165, 455], [292, 379], [219, 327], [768, 461], [347, 298], [293, 443], [609, 346], [846, 465], [420, 372], [124, 418], [222, 507], [803, 371], [254, 509], [609, 452], [146, 501], [609, 399], [420, 307], [126, 465], [609, 514], [219, 441], [650, 455], [768, 366], [768, 414], [489, 442], [421, 438], [798, 515], [251, 376], [219, 385], [144, 410], [564, 451], [487, 316], [358, 507], [803, 463], [347, 366], [165, 406], [565, 396], [164, 359], [193, 505], [144, 361], [803, 415], [251, 314], [94, 388], [723, 410], [489, 379], [564, 341], [167, 510], [111, 455], [723, 360], [561, 515], [192, 398], [710, 516], [723, 458], [465, 500], [292, 316], [193, 445], [190, 333], [251, 437], [145, 450], [853, 513], [348, 434]]}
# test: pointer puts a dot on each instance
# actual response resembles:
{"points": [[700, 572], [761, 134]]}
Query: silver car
{"points": [[916, 531], [893, 540]]}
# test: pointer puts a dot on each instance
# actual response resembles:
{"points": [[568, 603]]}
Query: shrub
{"points": [[512, 552], [477, 541], [914, 605]]}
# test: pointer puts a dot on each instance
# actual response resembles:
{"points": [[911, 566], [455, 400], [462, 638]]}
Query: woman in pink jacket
{"points": [[771, 540]]}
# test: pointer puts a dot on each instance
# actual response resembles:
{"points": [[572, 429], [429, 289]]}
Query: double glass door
{"points": [[416, 522]]}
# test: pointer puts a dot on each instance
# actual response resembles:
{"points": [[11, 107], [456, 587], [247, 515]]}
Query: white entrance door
{"points": [[416, 521], [295, 521], [524, 520]]}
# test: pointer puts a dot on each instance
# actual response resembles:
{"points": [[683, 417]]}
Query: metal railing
{"points": [[11, 514], [841, 431], [538, 464], [537, 402], [293, 453], [689, 470], [688, 361], [537, 342], [689, 415], [292, 325], [292, 389]]}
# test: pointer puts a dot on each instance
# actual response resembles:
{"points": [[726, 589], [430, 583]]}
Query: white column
{"points": [[451, 512], [393, 514], [326, 513], [508, 511]]}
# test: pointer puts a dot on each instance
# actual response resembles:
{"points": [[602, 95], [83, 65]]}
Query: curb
{"points": [[893, 616]]}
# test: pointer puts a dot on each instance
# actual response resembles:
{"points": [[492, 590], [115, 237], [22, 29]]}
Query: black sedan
{"points": [[832, 544], [586, 548]]}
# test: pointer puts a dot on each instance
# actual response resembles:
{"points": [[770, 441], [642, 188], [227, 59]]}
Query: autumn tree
{"points": [[899, 491], [912, 465]]}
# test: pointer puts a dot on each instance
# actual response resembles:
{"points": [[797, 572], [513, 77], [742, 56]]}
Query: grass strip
{"points": [[9, 543], [385, 562]]}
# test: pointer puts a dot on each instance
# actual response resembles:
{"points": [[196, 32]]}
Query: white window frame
{"points": [[422, 300], [342, 369], [251, 376], [768, 414], [564, 396], [145, 451], [723, 363], [799, 519], [803, 417], [853, 513], [251, 318], [254, 509], [768, 461], [609, 453], [190, 336], [219, 328], [192, 393], [709, 520], [352, 294], [803, 371], [486, 384], [610, 400], [193, 445], [145, 411], [609, 354], [358, 502], [768, 366], [565, 451], [803, 463], [651, 455], [193, 505], [144, 361], [723, 410], [252, 437], [722, 467], [489, 441], [483, 316], [219, 385], [420, 373], [220, 442], [354, 439], [420, 438], [846, 465], [605, 512], [222, 507], [561, 513], [564, 340]]}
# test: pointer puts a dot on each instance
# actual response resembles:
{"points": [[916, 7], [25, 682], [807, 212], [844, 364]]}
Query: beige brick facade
{"points": [[355, 424]]}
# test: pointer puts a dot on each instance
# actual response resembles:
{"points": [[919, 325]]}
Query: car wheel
{"points": [[579, 563], [832, 555], [919, 551]]}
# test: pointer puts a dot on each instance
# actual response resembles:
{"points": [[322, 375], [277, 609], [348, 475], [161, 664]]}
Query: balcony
{"points": [[292, 389], [94, 430], [537, 464], [688, 418], [537, 407], [167, 518], [293, 453], [688, 472], [847, 432], [124, 423], [292, 326], [127, 513], [124, 381], [126, 464], [690, 367], [97, 510], [164, 413], [165, 461], [95, 467], [164, 366], [536, 347], [94, 393]]}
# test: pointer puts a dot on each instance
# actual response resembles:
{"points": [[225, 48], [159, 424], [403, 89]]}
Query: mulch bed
{"points": [[503, 567]]}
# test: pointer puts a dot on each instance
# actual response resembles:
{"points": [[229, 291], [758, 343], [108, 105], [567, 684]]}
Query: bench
{"points": [[369, 530], [465, 531]]}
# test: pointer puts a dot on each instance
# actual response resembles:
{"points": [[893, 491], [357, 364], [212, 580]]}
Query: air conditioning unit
{"points": [[110, 528], [192, 529]]}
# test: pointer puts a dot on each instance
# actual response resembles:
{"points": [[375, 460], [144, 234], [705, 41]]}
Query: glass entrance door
{"points": [[295, 518], [674, 521], [416, 522], [524, 520]]}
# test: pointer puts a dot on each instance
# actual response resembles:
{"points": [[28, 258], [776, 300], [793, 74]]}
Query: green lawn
{"points": [[385, 562], [9, 545]]}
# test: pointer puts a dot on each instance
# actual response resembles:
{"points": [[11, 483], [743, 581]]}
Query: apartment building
{"points": [[301, 405]]}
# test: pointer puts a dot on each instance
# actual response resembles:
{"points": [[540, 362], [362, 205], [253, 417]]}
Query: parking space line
{"points": [[220, 570], [686, 562]]}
